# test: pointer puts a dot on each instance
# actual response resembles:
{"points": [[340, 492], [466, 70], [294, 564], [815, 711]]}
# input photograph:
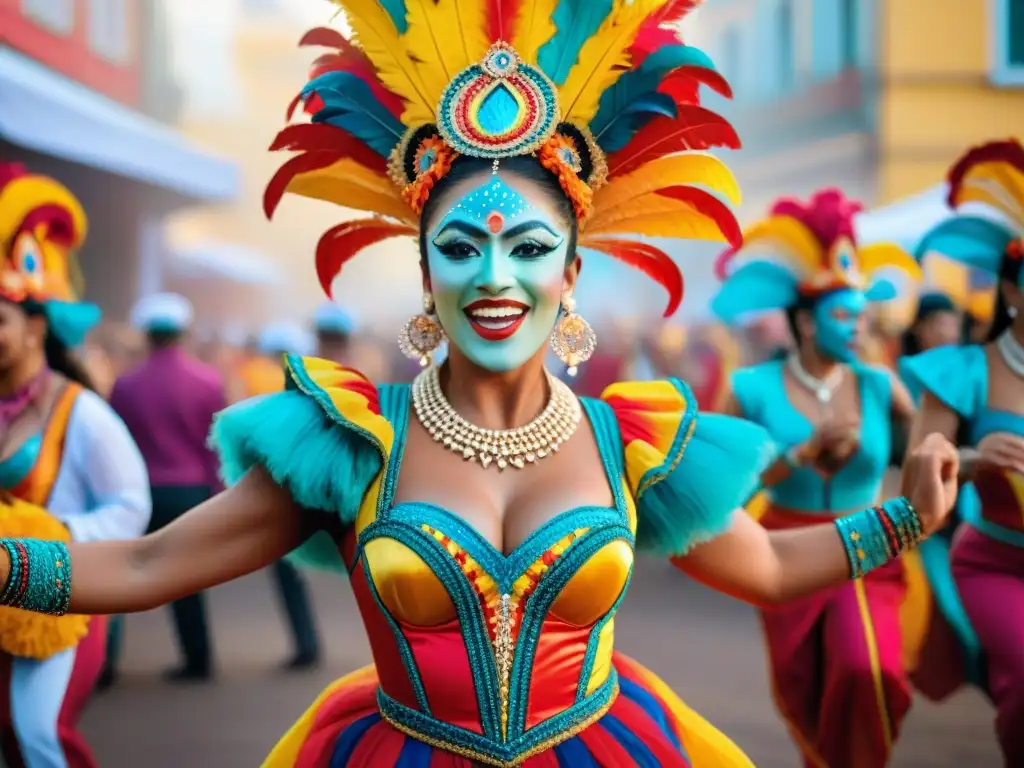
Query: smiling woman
{"points": [[486, 517]]}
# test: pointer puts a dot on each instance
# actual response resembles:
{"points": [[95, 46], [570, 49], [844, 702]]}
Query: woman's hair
{"points": [[929, 304], [524, 167], [803, 303], [1001, 317], [59, 358]]}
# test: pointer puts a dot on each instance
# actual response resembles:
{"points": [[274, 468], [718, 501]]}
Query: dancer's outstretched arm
{"points": [[770, 567], [241, 530]]}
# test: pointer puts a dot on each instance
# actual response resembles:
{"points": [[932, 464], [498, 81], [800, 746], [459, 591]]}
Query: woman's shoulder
{"points": [[956, 375], [687, 470], [325, 437]]}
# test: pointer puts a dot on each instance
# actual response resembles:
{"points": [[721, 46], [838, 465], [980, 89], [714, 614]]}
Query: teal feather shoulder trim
{"points": [[324, 466], [956, 376]]}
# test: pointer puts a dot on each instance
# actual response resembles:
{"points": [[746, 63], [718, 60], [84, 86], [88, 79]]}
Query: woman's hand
{"points": [[1001, 451], [832, 444], [930, 482]]}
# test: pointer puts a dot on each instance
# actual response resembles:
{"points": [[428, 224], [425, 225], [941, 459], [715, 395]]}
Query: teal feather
{"points": [[644, 80], [971, 240], [397, 11], [71, 321], [349, 104], [695, 502], [576, 21], [756, 286], [324, 466], [634, 117]]}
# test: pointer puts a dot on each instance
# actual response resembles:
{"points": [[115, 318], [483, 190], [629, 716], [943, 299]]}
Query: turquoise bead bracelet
{"points": [[39, 578], [876, 536]]}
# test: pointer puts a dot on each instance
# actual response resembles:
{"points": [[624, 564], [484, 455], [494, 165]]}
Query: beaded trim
{"points": [[538, 739], [40, 576], [876, 536]]}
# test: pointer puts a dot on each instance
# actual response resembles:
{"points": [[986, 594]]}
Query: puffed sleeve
{"points": [[957, 376], [323, 439], [688, 471]]}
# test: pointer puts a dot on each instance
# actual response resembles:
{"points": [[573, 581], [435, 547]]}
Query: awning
{"points": [[905, 221], [51, 114], [235, 263]]}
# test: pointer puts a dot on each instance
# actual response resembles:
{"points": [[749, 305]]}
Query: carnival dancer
{"points": [[274, 342], [334, 327], [980, 387], [169, 403], [835, 656], [69, 470], [491, 619]]}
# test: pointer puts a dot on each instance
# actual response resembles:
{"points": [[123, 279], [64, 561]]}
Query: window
{"points": [[785, 52], [108, 29], [848, 30], [1008, 42], [56, 15]]}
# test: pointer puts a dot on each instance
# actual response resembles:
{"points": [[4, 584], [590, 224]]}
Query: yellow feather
{"points": [[350, 185], [373, 29], [790, 234], [998, 185], [444, 37], [533, 28], [652, 203], [602, 59], [887, 256], [686, 224], [683, 169]]}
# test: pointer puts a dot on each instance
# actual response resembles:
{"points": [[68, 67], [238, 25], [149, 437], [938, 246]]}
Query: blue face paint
{"points": [[497, 267], [837, 321]]}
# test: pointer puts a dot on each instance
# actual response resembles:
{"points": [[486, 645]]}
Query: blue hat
{"points": [[162, 312], [330, 318], [279, 338]]}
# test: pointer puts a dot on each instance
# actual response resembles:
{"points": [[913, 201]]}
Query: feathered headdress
{"points": [[41, 226], [988, 179], [801, 251], [601, 92]]}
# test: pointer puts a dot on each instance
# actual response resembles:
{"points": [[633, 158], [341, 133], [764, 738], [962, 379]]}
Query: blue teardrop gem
{"points": [[499, 111]]}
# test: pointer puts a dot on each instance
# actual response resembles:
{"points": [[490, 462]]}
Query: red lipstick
{"points": [[496, 319]]}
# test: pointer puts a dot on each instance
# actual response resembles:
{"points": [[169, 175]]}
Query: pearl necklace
{"points": [[823, 389], [503, 447], [1012, 353]]}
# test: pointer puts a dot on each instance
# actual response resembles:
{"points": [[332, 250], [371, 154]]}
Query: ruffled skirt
{"points": [[647, 726]]}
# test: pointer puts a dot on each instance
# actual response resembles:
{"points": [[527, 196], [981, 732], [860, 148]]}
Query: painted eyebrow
{"points": [[480, 233]]}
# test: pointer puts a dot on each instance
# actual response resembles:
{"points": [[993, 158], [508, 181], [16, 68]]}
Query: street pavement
{"points": [[705, 646]]}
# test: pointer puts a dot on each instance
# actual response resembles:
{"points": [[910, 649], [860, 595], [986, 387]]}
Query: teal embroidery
{"points": [[674, 456]]}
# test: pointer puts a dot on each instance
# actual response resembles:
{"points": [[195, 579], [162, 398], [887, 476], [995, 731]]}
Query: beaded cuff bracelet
{"points": [[876, 536], [40, 576]]}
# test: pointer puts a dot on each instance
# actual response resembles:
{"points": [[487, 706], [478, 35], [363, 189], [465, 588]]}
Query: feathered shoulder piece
{"points": [[601, 92], [803, 250], [986, 190]]}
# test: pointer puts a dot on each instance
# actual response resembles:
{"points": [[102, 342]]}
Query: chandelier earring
{"points": [[422, 335], [573, 340]]}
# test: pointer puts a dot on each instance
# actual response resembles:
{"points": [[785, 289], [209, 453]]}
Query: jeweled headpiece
{"points": [[42, 224], [602, 93], [804, 250], [986, 191]]}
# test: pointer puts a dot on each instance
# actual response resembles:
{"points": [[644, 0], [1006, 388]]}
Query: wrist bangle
{"points": [[39, 578], [876, 536]]}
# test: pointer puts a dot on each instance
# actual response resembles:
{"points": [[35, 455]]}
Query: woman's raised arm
{"points": [[251, 525]]}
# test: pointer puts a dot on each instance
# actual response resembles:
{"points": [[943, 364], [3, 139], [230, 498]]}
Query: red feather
{"points": [[305, 163], [723, 260], [673, 11], [324, 37], [292, 106], [501, 16], [706, 203], [339, 244], [653, 262], [681, 84], [694, 128], [1007, 151], [316, 137], [648, 40]]}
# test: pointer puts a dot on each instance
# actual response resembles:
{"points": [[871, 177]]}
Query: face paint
{"points": [[838, 318], [497, 265]]}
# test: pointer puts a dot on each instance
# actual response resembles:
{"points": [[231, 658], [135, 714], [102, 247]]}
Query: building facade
{"points": [[84, 97]]}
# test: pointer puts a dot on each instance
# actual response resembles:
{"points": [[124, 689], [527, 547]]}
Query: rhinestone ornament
{"points": [[573, 340], [504, 448]]}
